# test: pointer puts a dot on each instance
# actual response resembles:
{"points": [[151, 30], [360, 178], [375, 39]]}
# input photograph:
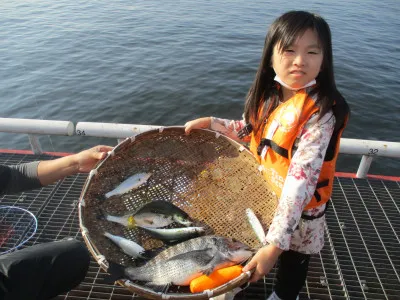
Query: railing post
{"points": [[35, 144], [364, 166]]}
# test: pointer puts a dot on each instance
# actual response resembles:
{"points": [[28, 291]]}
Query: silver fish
{"points": [[162, 208], [131, 183], [154, 214], [127, 246], [174, 234], [146, 220], [183, 262], [256, 225]]}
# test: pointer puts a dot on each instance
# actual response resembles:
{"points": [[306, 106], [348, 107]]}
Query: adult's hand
{"points": [[87, 159], [50, 171]]}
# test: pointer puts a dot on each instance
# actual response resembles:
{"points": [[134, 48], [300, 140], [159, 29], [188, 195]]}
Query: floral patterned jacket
{"points": [[288, 230]]}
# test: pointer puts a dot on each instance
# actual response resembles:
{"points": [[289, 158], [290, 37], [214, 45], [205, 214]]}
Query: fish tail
{"points": [[131, 222], [109, 235], [101, 215], [115, 271], [182, 221], [109, 194]]}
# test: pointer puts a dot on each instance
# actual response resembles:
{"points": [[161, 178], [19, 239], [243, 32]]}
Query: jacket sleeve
{"points": [[229, 128], [301, 180], [18, 178]]}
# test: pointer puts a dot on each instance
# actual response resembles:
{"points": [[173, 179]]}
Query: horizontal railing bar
{"points": [[32, 126], [119, 131], [369, 147], [111, 130], [347, 146]]}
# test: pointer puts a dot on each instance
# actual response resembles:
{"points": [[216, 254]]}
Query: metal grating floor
{"points": [[360, 260]]}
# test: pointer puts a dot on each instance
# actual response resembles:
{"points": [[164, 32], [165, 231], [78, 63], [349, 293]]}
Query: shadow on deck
{"points": [[360, 260]]}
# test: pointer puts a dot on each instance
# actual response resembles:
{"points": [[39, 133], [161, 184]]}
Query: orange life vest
{"points": [[277, 138]]}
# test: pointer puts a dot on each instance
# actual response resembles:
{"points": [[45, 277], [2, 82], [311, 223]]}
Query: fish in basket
{"points": [[164, 209]]}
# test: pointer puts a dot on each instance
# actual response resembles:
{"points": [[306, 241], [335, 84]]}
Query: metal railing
{"points": [[367, 148]]}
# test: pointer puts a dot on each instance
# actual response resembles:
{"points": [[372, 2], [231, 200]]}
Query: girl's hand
{"points": [[201, 123], [263, 262], [87, 159]]}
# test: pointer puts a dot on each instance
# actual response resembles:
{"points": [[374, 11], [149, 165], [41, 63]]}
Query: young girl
{"points": [[293, 118]]}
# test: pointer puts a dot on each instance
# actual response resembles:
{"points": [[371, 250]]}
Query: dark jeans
{"points": [[43, 271], [291, 275]]}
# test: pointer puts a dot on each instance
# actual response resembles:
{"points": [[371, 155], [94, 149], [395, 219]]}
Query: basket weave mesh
{"points": [[209, 176]]}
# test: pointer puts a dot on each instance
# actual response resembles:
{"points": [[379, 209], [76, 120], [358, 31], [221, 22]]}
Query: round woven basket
{"points": [[211, 177]]}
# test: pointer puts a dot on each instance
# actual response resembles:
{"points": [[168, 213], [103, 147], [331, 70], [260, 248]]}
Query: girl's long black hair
{"points": [[285, 30]]}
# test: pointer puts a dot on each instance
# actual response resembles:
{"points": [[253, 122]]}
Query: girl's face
{"points": [[301, 62]]}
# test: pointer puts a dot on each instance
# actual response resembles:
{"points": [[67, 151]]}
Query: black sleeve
{"points": [[5, 176], [18, 178]]}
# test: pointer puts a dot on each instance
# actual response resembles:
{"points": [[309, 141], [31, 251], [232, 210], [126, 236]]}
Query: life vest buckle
{"points": [[263, 143], [245, 131]]}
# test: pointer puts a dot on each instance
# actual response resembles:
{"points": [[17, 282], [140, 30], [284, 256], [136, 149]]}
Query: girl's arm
{"points": [[227, 127], [298, 189]]}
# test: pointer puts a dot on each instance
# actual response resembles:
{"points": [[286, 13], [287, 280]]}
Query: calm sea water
{"points": [[165, 62]]}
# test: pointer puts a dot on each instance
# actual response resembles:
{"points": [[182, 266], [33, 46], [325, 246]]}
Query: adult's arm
{"points": [[14, 179], [23, 177]]}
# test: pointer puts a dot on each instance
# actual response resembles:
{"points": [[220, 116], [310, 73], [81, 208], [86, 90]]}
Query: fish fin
{"points": [[216, 258], [202, 257], [185, 221], [213, 265], [101, 198], [207, 271], [140, 261], [181, 240], [150, 253], [171, 243], [115, 271]]}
